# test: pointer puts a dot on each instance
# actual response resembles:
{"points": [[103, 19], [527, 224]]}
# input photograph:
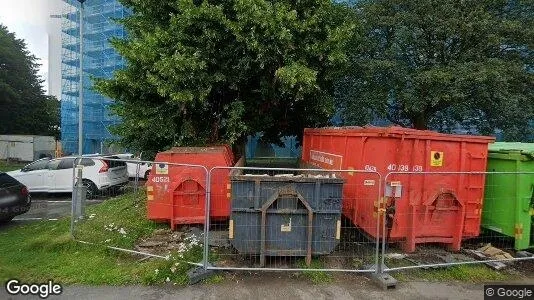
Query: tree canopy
{"points": [[442, 64], [24, 108], [204, 72], [213, 71]]}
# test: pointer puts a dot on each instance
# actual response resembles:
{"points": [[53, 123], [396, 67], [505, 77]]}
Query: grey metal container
{"points": [[285, 216]]}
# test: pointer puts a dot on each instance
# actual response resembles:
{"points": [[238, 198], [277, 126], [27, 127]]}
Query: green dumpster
{"points": [[509, 198]]}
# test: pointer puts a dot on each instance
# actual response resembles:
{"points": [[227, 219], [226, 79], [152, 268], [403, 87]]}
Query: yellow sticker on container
{"points": [[162, 169], [436, 159]]}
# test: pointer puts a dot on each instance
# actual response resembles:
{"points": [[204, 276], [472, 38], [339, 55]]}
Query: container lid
{"points": [[505, 147], [225, 150], [396, 131], [212, 149]]}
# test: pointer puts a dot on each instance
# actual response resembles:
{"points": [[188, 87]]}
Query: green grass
{"points": [[11, 166], [214, 279], [104, 222], [467, 273], [316, 277], [39, 251]]}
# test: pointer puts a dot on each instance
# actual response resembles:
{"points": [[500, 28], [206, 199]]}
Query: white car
{"points": [[56, 175], [141, 170]]}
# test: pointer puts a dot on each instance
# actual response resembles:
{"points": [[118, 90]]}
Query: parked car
{"points": [[14, 198], [56, 175], [141, 170]]}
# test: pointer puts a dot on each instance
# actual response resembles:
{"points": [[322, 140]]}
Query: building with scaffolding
{"points": [[99, 61]]}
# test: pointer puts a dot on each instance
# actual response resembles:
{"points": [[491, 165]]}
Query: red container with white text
{"points": [[424, 203], [177, 193]]}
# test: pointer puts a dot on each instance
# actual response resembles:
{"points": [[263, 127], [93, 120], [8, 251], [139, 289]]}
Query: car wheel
{"points": [[92, 190], [4, 220]]}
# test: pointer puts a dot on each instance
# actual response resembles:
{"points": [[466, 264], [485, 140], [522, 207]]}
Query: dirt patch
{"points": [[164, 241]]}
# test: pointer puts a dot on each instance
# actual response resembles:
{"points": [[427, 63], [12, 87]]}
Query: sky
{"points": [[29, 20]]}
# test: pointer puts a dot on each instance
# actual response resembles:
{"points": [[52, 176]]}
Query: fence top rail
{"points": [[449, 264], [134, 161], [461, 172], [295, 169]]}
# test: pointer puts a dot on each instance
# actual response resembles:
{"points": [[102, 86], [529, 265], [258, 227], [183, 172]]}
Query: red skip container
{"points": [[177, 193], [421, 208]]}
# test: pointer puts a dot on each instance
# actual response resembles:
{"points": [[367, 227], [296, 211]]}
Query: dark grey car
{"points": [[14, 198]]}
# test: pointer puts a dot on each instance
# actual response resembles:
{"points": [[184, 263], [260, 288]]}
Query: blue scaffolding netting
{"points": [[99, 61]]}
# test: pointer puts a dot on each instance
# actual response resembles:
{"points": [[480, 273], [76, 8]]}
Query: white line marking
{"points": [[63, 201], [34, 219]]}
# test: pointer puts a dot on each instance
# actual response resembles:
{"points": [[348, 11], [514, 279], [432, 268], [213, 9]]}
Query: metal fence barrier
{"points": [[444, 219], [293, 219], [135, 232]]}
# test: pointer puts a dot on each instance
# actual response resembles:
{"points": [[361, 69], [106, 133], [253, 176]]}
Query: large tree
{"points": [[24, 108], [442, 64], [203, 72]]}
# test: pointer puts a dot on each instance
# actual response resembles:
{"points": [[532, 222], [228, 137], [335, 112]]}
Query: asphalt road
{"points": [[46, 207], [54, 206], [274, 288]]}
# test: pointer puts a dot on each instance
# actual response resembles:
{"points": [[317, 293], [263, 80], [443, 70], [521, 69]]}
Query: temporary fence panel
{"points": [[417, 199], [281, 218], [452, 207], [286, 209], [129, 229]]}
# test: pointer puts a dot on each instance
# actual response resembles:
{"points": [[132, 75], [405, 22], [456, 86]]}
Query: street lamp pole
{"points": [[80, 91]]}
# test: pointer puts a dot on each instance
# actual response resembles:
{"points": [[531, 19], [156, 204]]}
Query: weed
{"points": [[315, 276]]}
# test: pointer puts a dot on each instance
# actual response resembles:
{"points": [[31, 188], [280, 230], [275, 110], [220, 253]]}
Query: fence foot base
{"points": [[198, 274], [383, 280]]}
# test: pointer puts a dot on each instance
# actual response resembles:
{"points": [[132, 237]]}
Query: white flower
{"points": [[122, 231], [167, 279], [91, 216], [156, 271], [173, 269], [108, 240]]}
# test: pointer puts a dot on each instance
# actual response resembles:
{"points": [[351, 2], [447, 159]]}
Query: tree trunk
{"points": [[420, 122], [239, 147]]}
